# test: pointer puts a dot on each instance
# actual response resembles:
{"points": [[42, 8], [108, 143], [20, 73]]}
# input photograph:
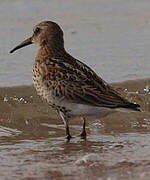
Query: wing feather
{"points": [[78, 83]]}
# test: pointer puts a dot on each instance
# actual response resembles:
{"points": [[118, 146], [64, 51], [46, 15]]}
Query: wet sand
{"points": [[32, 143]]}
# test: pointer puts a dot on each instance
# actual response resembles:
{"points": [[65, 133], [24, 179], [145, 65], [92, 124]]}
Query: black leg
{"points": [[65, 119], [83, 133], [68, 136]]}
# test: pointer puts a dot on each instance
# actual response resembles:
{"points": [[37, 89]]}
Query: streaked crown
{"points": [[47, 32]]}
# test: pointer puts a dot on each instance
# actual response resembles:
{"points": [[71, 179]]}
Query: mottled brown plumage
{"points": [[68, 85]]}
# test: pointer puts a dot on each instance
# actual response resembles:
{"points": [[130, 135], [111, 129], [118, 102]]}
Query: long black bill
{"points": [[24, 43]]}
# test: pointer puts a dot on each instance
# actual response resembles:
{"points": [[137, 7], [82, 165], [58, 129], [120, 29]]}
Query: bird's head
{"points": [[45, 33]]}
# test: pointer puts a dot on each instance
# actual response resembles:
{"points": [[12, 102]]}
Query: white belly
{"points": [[81, 109]]}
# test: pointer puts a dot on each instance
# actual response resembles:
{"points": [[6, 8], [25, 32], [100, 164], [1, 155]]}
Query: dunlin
{"points": [[68, 85]]}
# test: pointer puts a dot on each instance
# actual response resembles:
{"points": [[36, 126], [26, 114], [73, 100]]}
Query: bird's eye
{"points": [[37, 30]]}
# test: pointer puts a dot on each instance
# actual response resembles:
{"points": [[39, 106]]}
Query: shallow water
{"points": [[113, 38], [33, 146]]}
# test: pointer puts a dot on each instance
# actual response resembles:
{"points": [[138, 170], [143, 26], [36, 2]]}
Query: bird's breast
{"points": [[45, 86]]}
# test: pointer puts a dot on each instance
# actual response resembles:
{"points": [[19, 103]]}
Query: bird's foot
{"points": [[83, 135], [68, 137]]}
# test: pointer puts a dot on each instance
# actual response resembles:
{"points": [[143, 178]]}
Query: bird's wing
{"points": [[78, 83]]}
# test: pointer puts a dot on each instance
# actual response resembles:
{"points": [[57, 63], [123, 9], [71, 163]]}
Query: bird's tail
{"points": [[130, 107]]}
